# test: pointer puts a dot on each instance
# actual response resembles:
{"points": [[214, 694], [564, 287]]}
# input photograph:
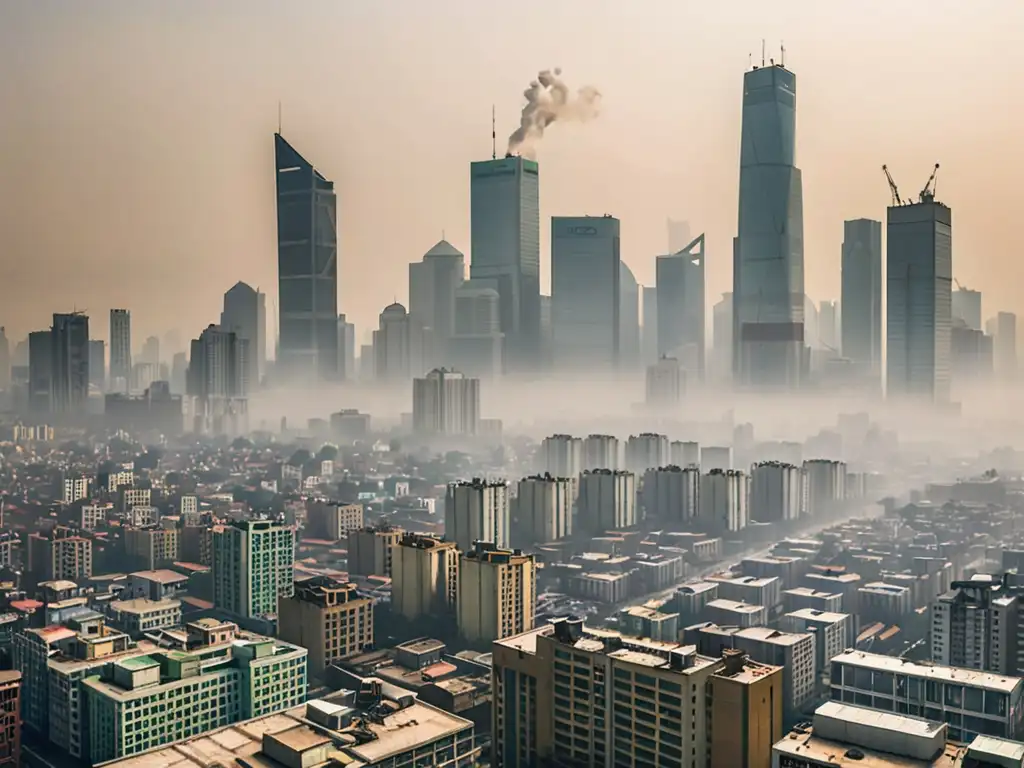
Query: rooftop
{"points": [[833, 753], [404, 729], [773, 636], [985, 680], [811, 614], [735, 606], [141, 605], [162, 576]]}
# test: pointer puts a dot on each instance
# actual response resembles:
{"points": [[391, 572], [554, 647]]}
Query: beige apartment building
{"points": [[370, 550], [328, 617], [497, 593], [424, 576]]}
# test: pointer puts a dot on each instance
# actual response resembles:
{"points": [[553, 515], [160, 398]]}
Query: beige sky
{"points": [[136, 136]]}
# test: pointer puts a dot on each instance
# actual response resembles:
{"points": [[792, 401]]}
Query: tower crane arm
{"points": [[896, 199]]}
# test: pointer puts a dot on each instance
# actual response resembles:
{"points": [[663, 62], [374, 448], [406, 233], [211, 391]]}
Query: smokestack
{"points": [[547, 100]]}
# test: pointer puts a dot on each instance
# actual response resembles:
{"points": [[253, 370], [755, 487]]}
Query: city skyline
{"points": [[227, 228]]}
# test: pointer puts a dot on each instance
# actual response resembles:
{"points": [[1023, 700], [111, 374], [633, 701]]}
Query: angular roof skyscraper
{"points": [[307, 268], [768, 258]]}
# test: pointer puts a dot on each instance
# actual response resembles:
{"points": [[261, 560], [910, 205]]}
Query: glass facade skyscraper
{"points": [[768, 259], [681, 307], [919, 282], [585, 291], [862, 293], [505, 248], [307, 267]]}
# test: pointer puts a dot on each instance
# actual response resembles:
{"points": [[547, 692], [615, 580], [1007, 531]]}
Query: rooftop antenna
{"points": [[278, 117], [762, 51], [494, 136], [783, 47]]}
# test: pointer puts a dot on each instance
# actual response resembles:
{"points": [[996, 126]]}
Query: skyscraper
{"points": [[681, 311], [585, 287], [307, 267], [98, 364], [505, 248], [967, 307], [768, 258], [245, 313], [120, 350], [649, 294], [218, 380], [862, 293], [629, 318], [5, 361], [919, 275], [346, 348], [1004, 342], [433, 283], [40, 371], [397, 346], [69, 382]]}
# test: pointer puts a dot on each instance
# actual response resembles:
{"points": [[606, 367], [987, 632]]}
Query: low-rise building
{"points": [[140, 615]]}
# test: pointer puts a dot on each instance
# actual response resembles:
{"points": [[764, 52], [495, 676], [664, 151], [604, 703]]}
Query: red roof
{"points": [[440, 669], [26, 606]]}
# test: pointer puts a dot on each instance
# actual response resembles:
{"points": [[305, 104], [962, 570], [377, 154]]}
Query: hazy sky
{"points": [[136, 152]]}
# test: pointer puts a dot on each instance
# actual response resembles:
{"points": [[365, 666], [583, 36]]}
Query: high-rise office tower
{"points": [[218, 380], [40, 371], [150, 352], [433, 283], [681, 307], [252, 567], [1003, 330], [477, 511], [398, 346], [861, 293], [828, 326], [967, 307], [245, 313], [5, 361], [307, 267], [585, 292], [505, 248], [97, 364], [721, 337], [120, 350], [69, 381], [629, 319], [919, 275], [768, 252], [478, 346], [346, 348], [446, 403], [649, 294]]}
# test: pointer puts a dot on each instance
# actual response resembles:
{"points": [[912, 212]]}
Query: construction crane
{"points": [[928, 193], [896, 199]]}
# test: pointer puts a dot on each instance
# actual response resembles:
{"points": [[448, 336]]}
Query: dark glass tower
{"points": [[862, 293], [307, 267], [69, 347], [768, 259]]}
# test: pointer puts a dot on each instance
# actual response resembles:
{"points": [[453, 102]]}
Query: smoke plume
{"points": [[547, 100]]}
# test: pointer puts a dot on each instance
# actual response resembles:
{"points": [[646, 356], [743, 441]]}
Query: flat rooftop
{"points": [[527, 641], [773, 636], [807, 747], [735, 606], [162, 576], [141, 605], [826, 617], [404, 729], [975, 678]]}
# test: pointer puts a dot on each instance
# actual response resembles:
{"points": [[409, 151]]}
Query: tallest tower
{"points": [[307, 268], [505, 248], [768, 259]]}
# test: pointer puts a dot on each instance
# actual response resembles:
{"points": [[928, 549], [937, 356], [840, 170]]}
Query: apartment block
{"points": [[252, 566], [95, 515], [329, 618], [139, 616], [971, 702], [746, 711], [975, 626], [544, 508], [371, 550], [76, 489], [749, 589], [802, 597], [10, 718], [151, 547], [730, 613], [478, 510], [607, 500], [59, 555], [141, 702], [424, 578], [332, 520], [497, 593], [832, 632]]}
